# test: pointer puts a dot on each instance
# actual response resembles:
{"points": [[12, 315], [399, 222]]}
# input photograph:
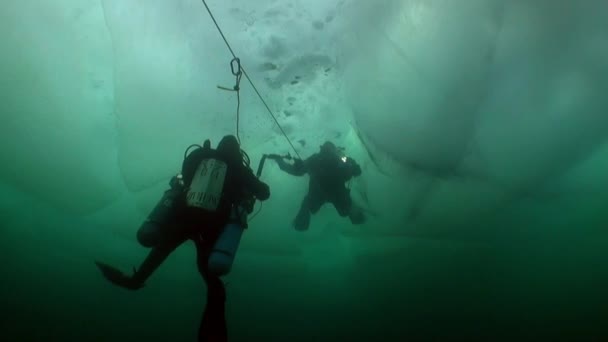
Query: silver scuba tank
{"points": [[155, 227]]}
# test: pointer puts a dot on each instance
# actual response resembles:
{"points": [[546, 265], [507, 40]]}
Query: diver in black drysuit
{"points": [[328, 171], [201, 226]]}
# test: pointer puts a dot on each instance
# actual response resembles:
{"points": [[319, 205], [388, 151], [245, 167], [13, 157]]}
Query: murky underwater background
{"points": [[480, 126]]}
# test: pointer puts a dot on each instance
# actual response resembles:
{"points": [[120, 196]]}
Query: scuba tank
{"points": [[154, 228], [223, 252]]}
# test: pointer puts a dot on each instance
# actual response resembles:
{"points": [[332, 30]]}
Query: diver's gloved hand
{"points": [[118, 278], [273, 156]]}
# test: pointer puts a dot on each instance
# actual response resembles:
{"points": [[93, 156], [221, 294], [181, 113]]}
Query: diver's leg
{"points": [[311, 204], [213, 327], [342, 202], [302, 219], [345, 207], [158, 226], [155, 234], [156, 257], [357, 215], [149, 234]]}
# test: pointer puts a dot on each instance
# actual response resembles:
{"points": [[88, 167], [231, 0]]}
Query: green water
{"points": [[489, 118]]}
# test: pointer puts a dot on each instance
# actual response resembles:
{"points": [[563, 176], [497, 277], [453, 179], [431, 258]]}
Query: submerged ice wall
{"points": [[58, 122], [482, 103]]}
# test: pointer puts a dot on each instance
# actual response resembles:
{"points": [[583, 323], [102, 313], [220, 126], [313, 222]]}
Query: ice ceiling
{"points": [[458, 110]]}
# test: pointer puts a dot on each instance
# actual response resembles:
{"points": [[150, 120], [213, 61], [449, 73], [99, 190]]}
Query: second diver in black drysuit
{"points": [[200, 215], [329, 170]]}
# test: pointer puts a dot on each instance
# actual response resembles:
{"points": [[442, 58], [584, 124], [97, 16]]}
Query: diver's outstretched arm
{"points": [[298, 168]]}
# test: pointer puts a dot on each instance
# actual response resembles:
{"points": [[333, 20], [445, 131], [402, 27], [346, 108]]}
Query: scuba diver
{"points": [[207, 203], [329, 170]]}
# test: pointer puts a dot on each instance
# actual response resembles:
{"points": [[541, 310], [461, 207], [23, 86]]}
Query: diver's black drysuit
{"points": [[203, 227], [328, 172]]}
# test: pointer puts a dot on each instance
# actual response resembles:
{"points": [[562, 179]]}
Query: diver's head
{"points": [[329, 148], [229, 148]]}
